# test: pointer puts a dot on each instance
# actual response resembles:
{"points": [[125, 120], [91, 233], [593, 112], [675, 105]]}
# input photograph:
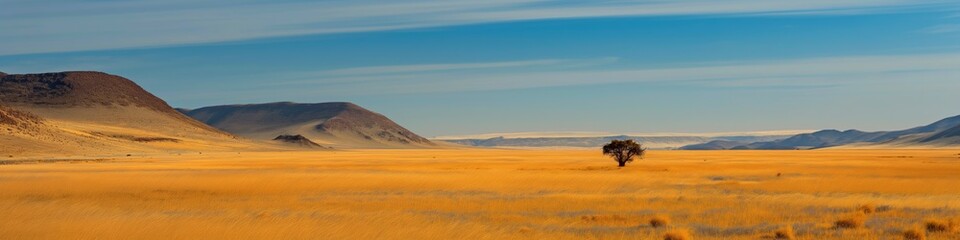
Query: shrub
{"points": [[914, 234], [603, 218], [854, 221], [941, 226], [677, 235], [785, 233], [659, 221], [867, 208]]}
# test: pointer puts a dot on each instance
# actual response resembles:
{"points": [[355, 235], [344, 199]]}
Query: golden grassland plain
{"points": [[482, 194]]}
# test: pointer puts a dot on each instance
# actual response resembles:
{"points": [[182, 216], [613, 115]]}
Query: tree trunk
{"points": [[622, 163]]}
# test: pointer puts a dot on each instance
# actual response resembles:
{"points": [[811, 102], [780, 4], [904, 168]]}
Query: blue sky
{"points": [[461, 67]]}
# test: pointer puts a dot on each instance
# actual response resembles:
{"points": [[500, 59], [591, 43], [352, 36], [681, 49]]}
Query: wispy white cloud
{"points": [[69, 63], [943, 28], [815, 72], [438, 67], [418, 71], [65, 25]]}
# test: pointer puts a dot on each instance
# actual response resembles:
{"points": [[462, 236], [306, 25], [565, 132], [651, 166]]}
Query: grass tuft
{"points": [[941, 226], [854, 221], [914, 234], [785, 233], [679, 234], [659, 221], [867, 208]]}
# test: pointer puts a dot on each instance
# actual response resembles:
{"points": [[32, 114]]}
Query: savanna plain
{"points": [[485, 194]]}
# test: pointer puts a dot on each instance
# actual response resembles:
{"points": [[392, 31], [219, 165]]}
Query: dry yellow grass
{"points": [[679, 234], [476, 194]]}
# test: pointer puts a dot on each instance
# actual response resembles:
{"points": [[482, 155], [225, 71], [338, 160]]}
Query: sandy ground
{"points": [[477, 194], [84, 132]]}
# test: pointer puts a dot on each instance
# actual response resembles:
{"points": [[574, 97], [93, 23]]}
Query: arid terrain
{"points": [[472, 119], [481, 194]]}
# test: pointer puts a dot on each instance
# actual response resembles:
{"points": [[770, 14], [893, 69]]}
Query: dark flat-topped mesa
{"points": [[76, 89]]}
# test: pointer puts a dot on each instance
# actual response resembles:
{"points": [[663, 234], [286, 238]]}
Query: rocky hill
{"points": [[942, 133], [94, 113], [336, 124]]}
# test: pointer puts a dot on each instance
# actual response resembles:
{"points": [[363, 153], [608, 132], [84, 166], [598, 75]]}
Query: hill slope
{"points": [[337, 124], [917, 136], [93, 113], [949, 136], [714, 145]]}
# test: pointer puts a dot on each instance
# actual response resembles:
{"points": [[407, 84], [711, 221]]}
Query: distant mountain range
{"points": [[946, 137], [94, 114], [715, 145], [654, 141], [941, 133]]}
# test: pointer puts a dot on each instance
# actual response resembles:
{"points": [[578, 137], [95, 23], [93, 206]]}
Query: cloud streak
{"points": [[62, 25], [941, 29], [418, 71], [438, 67], [814, 72]]}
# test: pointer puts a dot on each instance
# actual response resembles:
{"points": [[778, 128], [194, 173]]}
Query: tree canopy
{"points": [[623, 151]]}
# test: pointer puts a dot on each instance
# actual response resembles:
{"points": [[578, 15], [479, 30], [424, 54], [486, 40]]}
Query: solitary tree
{"points": [[623, 151]]}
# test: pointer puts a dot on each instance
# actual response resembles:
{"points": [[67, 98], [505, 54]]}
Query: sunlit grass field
{"points": [[484, 194]]}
